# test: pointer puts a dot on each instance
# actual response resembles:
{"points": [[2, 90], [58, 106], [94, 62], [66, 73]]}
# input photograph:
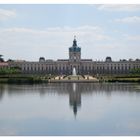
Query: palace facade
{"points": [[82, 66]]}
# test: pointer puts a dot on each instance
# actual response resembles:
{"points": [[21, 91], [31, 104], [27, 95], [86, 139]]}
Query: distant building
{"points": [[4, 65], [82, 66]]}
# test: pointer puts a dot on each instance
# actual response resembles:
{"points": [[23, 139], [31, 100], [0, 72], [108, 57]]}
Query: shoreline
{"points": [[38, 79]]}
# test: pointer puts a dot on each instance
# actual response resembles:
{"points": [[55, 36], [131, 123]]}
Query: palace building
{"points": [[82, 66]]}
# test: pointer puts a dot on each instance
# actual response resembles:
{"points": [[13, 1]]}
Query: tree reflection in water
{"points": [[74, 90]]}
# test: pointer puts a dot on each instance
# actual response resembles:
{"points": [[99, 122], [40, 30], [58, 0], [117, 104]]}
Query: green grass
{"points": [[124, 80], [19, 79], [41, 78]]}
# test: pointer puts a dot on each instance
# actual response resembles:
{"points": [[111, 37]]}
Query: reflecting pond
{"points": [[89, 109]]}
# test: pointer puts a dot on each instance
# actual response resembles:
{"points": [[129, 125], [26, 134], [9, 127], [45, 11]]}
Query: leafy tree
{"points": [[9, 71], [9, 60], [135, 71], [1, 59]]}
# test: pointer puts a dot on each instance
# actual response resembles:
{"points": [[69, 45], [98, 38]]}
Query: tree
{"points": [[10, 71], [135, 71], [9, 60], [1, 59]]}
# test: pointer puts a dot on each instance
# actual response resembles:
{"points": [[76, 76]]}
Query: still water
{"points": [[55, 109]]}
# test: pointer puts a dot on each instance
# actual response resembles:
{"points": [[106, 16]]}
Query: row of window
{"points": [[83, 68], [64, 65]]}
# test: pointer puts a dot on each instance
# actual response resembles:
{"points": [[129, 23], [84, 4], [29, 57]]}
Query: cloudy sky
{"points": [[30, 31]]}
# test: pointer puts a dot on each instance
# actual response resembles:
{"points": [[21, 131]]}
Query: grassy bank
{"points": [[21, 79], [126, 80], [43, 78], [121, 78]]}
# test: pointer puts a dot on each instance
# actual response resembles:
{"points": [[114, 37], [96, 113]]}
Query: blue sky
{"points": [[30, 31]]}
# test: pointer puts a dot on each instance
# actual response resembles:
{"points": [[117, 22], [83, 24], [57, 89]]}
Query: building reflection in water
{"points": [[74, 98], [74, 90]]}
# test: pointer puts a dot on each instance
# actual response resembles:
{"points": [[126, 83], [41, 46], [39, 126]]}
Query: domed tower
{"points": [[74, 52]]}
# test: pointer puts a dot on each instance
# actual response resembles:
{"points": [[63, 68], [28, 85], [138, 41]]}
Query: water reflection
{"points": [[51, 109], [75, 91], [2, 87], [74, 98]]}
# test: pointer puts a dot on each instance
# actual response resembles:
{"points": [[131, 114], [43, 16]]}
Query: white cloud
{"points": [[6, 14], [132, 38], [132, 19], [21, 30], [61, 35], [51, 37], [85, 28], [53, 43], [119, 7], [24, 41], [94, 32]]}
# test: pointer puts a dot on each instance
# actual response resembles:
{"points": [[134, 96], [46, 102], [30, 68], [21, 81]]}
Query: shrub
{"points": [[9, 71]]}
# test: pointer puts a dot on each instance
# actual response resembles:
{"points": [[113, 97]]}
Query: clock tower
{"points": [[74, 52]]}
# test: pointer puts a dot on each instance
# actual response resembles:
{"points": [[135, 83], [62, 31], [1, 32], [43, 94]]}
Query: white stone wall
{"points": [[82, 67]]}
